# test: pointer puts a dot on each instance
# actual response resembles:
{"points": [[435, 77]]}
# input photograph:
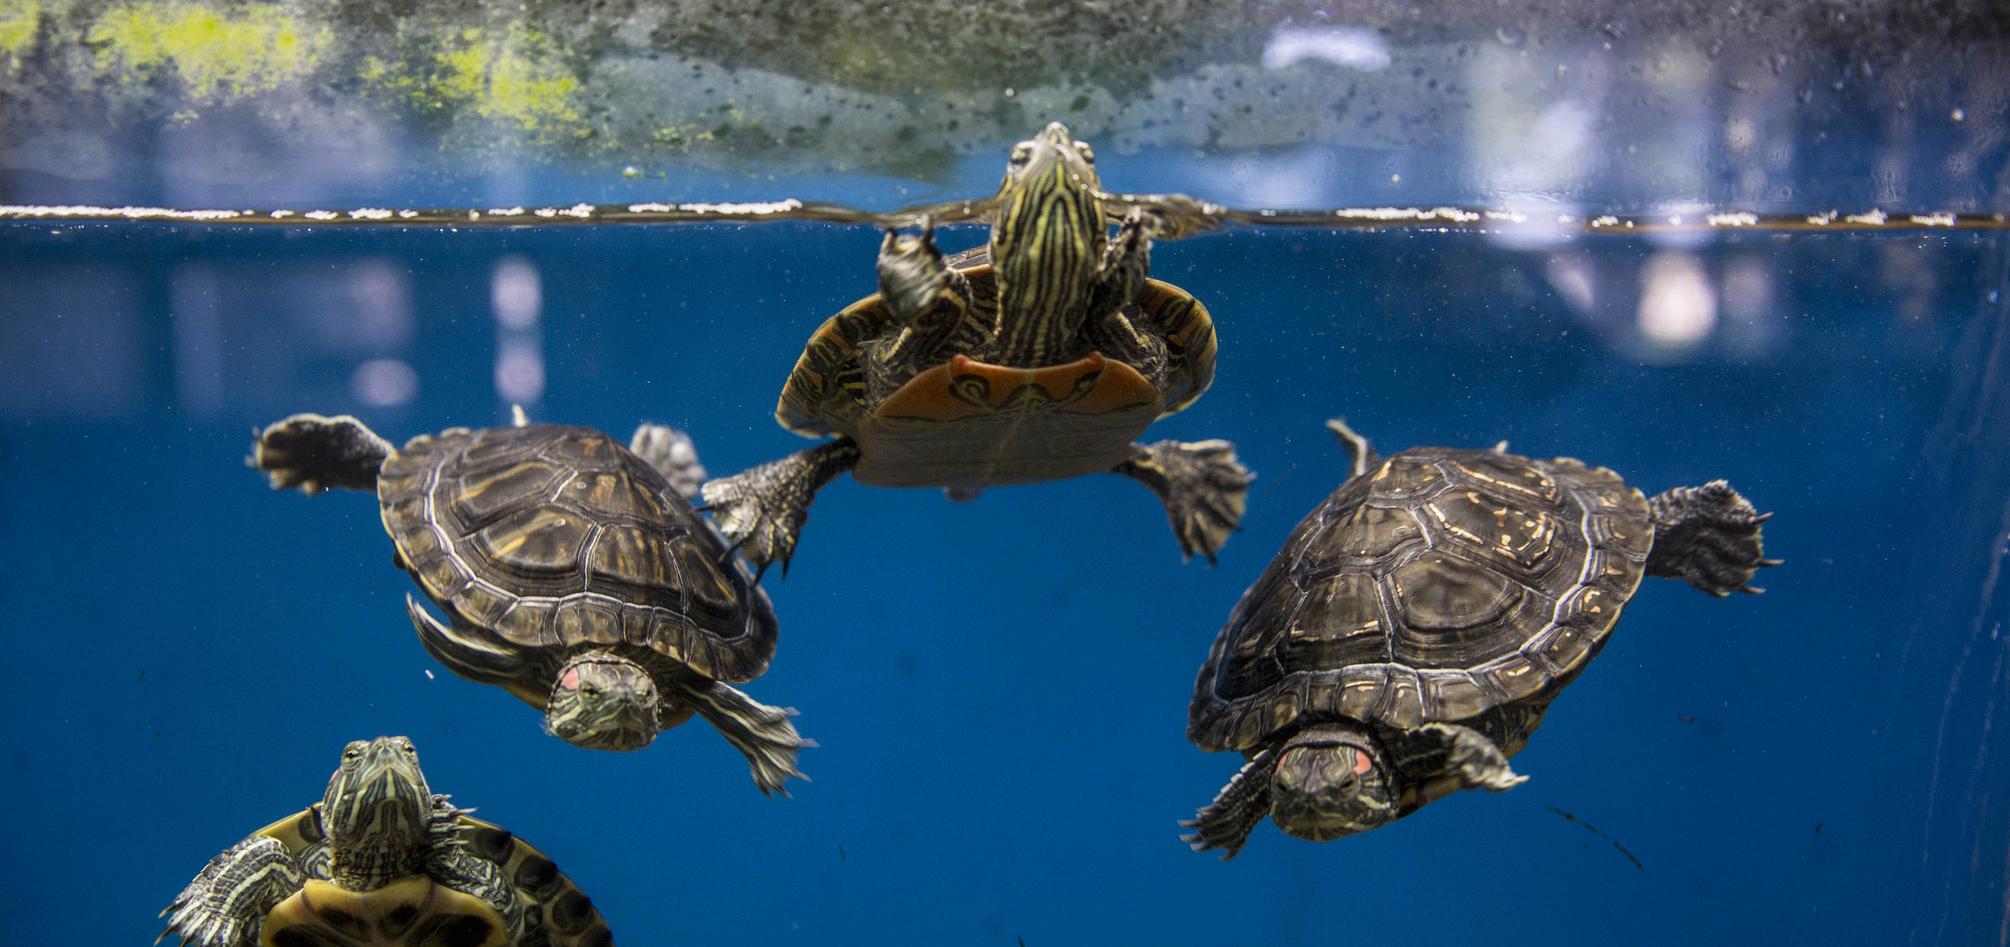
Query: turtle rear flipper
{"points": [[1227, 821], [317, 453], [673, 455], [1708, 536], [1204, 489], [227, 901], [761, 733], [762, 509]]}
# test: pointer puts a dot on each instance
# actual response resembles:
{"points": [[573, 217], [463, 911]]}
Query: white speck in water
{"points": [[1010, 92], [1395, 179], [1958, 116], [429, 674]]}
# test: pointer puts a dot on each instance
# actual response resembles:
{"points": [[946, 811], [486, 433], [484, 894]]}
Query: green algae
{"points": [[220, 55], [513, 78], [18, 21]]}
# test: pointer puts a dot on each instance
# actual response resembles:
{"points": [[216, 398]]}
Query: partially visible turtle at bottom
{"points": [[1036, 357], [382, 860], [1416, 625], [575, 574]]}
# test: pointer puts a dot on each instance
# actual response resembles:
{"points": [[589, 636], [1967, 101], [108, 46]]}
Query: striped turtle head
{"points": [[1330, 781], [1049, 234], [378, 807], [602, 701]]}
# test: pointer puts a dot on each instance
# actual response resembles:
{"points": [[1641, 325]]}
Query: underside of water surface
{"points": [[1683, 241]]}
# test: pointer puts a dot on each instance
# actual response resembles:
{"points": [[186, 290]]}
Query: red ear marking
{"points": [[1362, 763], [570, 679]]}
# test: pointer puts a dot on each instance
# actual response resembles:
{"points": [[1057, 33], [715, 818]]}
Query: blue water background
{"points": [[999, 687]]}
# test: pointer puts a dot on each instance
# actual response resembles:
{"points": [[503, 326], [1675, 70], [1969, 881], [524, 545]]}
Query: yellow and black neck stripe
{"points": [[1046, 250], [378, 812]]}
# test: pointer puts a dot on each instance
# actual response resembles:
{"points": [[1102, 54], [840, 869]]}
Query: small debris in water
{"points": [[1567, 817], [840, 853], [1685, 718], [429, 674]]}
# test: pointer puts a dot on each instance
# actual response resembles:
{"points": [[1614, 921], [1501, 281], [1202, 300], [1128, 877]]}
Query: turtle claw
{"points": [[761, 535], [761, 510], [222, 906], [912, 272], [1204, 488], [1708, 536], [1224, 824], [316, 454]]}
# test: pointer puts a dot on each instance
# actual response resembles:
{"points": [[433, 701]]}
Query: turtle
{"points": [[573, 572], [383, 860], [1038, 356], [1415, 626]]}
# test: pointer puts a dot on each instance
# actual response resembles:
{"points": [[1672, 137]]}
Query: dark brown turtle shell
{"points": [[1439, 586], [968, 422], [558, 538]]}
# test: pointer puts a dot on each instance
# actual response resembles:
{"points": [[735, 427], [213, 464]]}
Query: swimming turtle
{"points": [[573, 573], [1037, 357], [1416, 625], [383, 860]]}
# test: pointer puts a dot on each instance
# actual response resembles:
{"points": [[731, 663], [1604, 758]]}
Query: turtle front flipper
{"points": [[228, 901], [762, 509], [1708, 536], [1204, 489], [470, 652], [673, 455], [761, 733], [931, 304], [1473, 759], [1126, 261], [1226, 822], [317, 454]]}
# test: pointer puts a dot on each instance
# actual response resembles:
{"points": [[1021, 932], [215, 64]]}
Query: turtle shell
{"points": [[557, 538], [968, 422], [416, 910], [1439, 586]]}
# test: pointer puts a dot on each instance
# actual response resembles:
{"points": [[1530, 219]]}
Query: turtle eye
{"points": [[1088, 154], [1021, 153], [352, 753], [408, 748]]}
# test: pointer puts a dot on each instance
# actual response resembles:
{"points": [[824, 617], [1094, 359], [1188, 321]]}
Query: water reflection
{"points": [[516, 296], [250, 336]]}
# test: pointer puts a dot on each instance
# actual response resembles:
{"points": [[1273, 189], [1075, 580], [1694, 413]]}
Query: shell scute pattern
{"points": [[556, 538], [1441, 586]]}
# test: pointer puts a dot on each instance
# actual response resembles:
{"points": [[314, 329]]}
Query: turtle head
{"points": [[603, 701], [1329, 782], [1050, 210], [377, 802]]}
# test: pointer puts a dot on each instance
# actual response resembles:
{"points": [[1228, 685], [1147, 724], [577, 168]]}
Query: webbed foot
{"points": [[1708, 536], [223, 906], [762, 509], [1226, 822], [912, 273], [1474, 758], [673, 455], [317, 453], [1204, 489], [761, 733]]}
